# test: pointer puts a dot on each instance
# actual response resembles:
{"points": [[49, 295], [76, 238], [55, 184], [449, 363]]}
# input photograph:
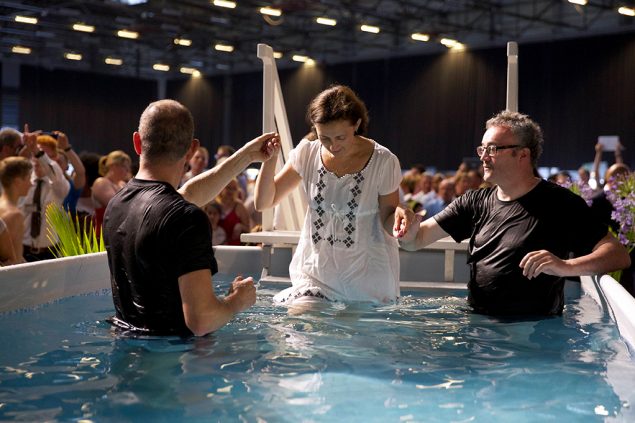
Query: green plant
{"points": [[74, 238]]}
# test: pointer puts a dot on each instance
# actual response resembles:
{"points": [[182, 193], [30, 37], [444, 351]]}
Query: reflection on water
{"points": [[424, 359]]}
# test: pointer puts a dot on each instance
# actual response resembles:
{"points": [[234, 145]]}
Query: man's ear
{"points": [[136, 141], [193, 147]]}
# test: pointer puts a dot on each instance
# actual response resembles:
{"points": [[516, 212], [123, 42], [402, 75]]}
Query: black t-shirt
{"points": [[501, 233], [153, 236]]}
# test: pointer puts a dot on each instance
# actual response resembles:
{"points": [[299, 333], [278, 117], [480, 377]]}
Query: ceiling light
{"points": [[326, 21], [183, 42], [370, 28], [124, 33], [277, 55], [191, 71], [303, 59], [26, 19], [580, 2], [113, 61], [20, 50], [626, 11], [224, 47], [73, 56], [225, 3], [417, 36], [450, 43], [161, 67], [83, 27], [270, 11]]}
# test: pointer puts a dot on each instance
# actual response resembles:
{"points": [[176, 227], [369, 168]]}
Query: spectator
{"points": [[85, 205], [10, 142], [445, 197], [77, 180], [213, 211], [424, 192], [462, 183], [49, 187], [223, 152], [115, 171], [15, 177], [584, 176], [198, 164], [476, 178], [234, 216]]}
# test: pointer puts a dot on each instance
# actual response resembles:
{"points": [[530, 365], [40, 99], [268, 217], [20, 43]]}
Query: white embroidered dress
{"points": [[344, 254]]}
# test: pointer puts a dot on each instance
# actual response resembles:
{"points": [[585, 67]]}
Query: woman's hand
{"points": [[404, 219]]}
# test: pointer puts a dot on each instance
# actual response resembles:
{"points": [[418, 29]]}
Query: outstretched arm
{"points": [[79, 178], [204, 187], [608, 255], [271, 188], [413, 234]]}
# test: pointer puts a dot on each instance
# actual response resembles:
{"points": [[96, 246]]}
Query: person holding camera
{"points": [[49, 186]]}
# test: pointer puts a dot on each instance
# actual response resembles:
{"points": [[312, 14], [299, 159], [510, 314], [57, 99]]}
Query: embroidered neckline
{"points": [[361, 171]]}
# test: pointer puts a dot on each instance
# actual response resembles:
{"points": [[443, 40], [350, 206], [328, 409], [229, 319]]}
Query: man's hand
{"points": [[542, 261], [29, 141], [406, 224], [62, 140], [263, 148], [243, 294]]}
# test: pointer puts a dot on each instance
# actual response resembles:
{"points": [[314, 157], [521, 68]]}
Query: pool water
{"points": [[427, 359]]}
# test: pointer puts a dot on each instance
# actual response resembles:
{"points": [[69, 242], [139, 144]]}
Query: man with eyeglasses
{"points": [[526, 234]]}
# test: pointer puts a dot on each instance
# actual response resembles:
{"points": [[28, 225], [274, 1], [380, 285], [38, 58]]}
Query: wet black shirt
{"points": [[501, 233], [153, 236]]}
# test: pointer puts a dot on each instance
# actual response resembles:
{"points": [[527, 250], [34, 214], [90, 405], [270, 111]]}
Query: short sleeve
{"points": [[298, 157], [457, 218], [193, 244], [390, 174]]}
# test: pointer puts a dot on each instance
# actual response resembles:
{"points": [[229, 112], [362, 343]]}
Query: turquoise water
{"points": [[426, 360]]}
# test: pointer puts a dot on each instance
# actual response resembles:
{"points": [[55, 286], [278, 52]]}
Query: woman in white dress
{"points": [[346, 251]]}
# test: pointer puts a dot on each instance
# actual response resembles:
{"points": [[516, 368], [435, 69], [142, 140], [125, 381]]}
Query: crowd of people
{"points": [[38, 169], [171, 210]]}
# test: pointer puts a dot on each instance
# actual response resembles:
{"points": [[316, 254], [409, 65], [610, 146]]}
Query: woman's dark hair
{"points": [[338, 102]]}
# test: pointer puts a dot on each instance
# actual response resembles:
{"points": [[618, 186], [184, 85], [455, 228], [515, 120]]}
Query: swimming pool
{"points": [[426, 359]]}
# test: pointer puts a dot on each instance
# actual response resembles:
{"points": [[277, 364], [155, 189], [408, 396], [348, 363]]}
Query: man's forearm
{"points": [[204, 187], [608, 257]]}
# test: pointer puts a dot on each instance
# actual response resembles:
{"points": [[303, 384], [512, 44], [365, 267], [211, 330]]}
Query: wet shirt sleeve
{"points": [[457, 219], [193, 243]]}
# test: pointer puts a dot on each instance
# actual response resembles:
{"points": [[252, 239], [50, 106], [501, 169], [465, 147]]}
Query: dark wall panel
{"points": [[204, 98], [99, 113]]}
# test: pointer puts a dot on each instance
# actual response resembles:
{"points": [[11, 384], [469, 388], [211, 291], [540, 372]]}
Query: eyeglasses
{"points": [[492, 149]]}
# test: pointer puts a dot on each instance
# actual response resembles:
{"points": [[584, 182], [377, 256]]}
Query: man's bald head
{"points": [[166, 128]]}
